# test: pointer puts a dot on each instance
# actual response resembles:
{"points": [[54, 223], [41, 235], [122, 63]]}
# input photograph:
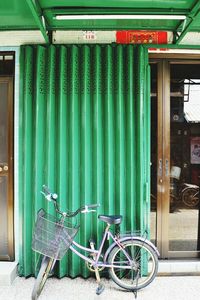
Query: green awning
{"points": [[180, 16]]}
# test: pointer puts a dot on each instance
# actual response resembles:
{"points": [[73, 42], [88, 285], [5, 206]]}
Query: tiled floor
{"points": [[162, 288]]}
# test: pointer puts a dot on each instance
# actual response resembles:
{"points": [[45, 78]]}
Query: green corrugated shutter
{"points": [[85, 132]]}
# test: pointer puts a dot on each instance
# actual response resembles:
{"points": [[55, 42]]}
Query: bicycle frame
{"points": [[95, 262]]}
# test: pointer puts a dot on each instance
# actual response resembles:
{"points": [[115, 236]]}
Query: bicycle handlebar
{"points": [[53, 197]]}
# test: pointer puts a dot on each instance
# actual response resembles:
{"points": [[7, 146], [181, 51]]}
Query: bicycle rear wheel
{"points": [[138, 262], [42, 276]]}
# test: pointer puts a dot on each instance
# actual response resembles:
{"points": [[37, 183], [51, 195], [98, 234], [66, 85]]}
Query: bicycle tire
{"points": [[42, 277], [138, 279], [190, 197]]}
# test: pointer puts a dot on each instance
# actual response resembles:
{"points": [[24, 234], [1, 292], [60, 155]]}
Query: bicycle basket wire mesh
{"points": [[51, 238]]}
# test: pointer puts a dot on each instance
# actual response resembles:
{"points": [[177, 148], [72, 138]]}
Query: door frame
{"points": [[163, 150], [15, 51], [10, 175]]}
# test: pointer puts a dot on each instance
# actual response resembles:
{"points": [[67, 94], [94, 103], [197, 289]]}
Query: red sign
{"points": [[141, 37]]}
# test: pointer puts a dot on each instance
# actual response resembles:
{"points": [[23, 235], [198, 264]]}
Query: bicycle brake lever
{"points": [[86, 210], [47, 197]]}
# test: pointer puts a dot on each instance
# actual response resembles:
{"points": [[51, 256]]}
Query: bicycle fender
{"points": [[130, 238]]}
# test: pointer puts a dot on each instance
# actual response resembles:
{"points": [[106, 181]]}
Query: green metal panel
{"points": [[16, 14], [84, 131], [152, 4], [27, 14]]}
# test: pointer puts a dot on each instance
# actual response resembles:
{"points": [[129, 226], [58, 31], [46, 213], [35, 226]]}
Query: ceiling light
{"points": [[120, 17]]}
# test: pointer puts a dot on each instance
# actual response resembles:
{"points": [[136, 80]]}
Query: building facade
{"points": [[102, 106]]}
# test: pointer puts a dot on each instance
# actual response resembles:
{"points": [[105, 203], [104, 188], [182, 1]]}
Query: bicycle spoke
{"points": [[140, 270]]}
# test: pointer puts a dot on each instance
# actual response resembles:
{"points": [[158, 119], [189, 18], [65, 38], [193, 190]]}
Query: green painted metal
{"points": [[37, 14], [153, 4], [26, 14], [15, 14], [187, 24], [84, 131]]}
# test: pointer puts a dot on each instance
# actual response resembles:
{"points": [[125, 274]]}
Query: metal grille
{"points": [[84, 131]]}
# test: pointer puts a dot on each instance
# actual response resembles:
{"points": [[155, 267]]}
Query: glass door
{"points": [[184, 220], [6, 169], [175, 157]]}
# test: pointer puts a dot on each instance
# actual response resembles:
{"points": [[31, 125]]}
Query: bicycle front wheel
{"points": [[138, 265], [42, 277], [190, 197]]}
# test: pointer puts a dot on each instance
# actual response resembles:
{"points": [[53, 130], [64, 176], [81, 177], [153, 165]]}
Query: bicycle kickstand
{"points": [[100, 288], [135, 292]]}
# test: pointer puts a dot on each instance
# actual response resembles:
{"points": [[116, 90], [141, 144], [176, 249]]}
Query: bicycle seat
{"points": [[110, 219]]}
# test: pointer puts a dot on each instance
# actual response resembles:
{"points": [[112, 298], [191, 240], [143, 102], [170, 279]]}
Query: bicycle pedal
{"points": [[100, 289]]}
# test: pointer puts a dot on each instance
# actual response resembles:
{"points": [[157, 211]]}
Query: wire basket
{"points": [[50, 237]]}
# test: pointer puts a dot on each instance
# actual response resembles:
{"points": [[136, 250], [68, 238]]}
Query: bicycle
{"points": [[190, 195], [132, 260], [181, 195]]}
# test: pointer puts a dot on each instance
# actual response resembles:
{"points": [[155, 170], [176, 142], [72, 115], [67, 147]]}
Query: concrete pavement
{"points": [[162, 288]]}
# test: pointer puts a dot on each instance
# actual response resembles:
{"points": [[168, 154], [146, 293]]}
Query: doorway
{"points": [[6, 159], [175, 157]]}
